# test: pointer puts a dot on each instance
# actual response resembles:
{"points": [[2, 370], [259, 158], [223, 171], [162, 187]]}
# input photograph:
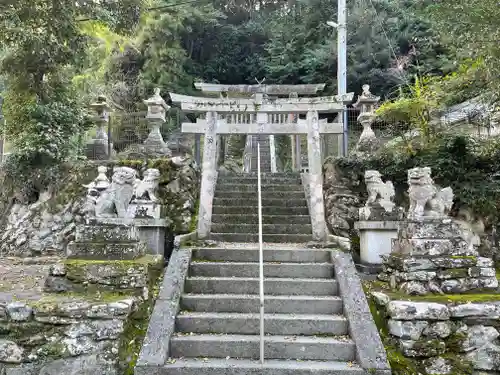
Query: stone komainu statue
{"points": [[147, 187], [114, 201], [378, 191], [427, 200]]}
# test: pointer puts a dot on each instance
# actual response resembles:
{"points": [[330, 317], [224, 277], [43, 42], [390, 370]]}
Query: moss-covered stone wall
{"points": [[437, 334]]}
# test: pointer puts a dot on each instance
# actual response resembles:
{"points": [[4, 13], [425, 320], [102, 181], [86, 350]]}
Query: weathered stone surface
{"points": [[414, 288], [100, 251], [430, 229], [406, 310], [85, 365], [406, 330], [467, 284], [98, 329], [435, 247], [476, 310], [370, 352], [10, 352], [453, 273], [486, 358], [438, 366], [19, 311], [415, 276], [381, 299], [106, 233], [422, 348], [477, 337], [438, 330], [481, 272]]}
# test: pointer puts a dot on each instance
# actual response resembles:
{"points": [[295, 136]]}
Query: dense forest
{"points": [[56, 56]]}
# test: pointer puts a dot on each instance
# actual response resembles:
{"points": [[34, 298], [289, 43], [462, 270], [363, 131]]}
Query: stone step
{"points": [[272, 304], [252, 188], [265, 194], [215, 366], [270, 255], [275, 347], [235, 202], [266, 228], [249, 324], [272, 286], [243, 269], [266, 219], [265, 180], [254, 238], [266, 210]]}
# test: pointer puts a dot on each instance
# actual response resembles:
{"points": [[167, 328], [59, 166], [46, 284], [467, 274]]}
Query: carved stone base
{"points": [[106, 251]]}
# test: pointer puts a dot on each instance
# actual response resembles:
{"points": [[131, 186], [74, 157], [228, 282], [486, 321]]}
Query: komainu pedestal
{"points": [[378, 219], [102, 241], [432, 253]]}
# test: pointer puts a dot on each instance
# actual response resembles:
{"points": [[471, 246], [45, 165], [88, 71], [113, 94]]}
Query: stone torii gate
{"points": [[258, 111]]}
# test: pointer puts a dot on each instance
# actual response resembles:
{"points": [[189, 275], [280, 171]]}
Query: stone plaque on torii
{"points": [[262, 107]]}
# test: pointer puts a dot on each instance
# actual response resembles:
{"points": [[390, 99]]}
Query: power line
{"points": [[153, 9]]}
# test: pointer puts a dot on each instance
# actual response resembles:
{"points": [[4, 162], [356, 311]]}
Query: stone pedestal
{"points": [[101, 241], [375, 240], [150, 232], [433, 256]]}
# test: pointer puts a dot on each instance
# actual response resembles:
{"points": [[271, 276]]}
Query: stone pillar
{"points": [[272, 148], [157, 109], [99, 147], [317, 207], [208, 176], [366, 103]]}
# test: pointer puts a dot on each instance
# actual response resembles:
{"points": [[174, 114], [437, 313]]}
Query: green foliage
{"points": [[469, 166], [472, 27]]}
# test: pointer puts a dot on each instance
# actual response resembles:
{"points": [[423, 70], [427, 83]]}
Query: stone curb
{"points": [[370, 352], [155, 348]]}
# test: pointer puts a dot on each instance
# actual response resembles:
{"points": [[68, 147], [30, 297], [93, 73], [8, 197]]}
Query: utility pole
{"points": [[341, 26]]}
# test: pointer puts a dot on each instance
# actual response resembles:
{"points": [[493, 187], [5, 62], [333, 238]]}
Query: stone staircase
{"points": [[265, 153], [217, 328], [285, 215]]}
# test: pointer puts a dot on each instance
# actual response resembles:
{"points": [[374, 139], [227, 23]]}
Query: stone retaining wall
{"points": [[443, 338], [86, 317]]}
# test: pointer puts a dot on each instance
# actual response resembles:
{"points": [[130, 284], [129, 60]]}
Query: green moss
{"points": [[135, 331], [400, 365], [194, 218], [54, 349], [455, 273], [25, 332]]}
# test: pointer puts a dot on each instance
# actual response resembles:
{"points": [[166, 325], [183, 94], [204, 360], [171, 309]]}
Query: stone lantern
{"points": [[156, 116], [367, 103], [99, 147]]}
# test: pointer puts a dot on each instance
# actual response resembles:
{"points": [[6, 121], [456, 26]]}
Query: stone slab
{"points": [[138, 222], [435, 247], [156, 346], [370, 352], [105, 251], [216, 366], [106, 233], [377, 225], [430, 229], [409, 264]]}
